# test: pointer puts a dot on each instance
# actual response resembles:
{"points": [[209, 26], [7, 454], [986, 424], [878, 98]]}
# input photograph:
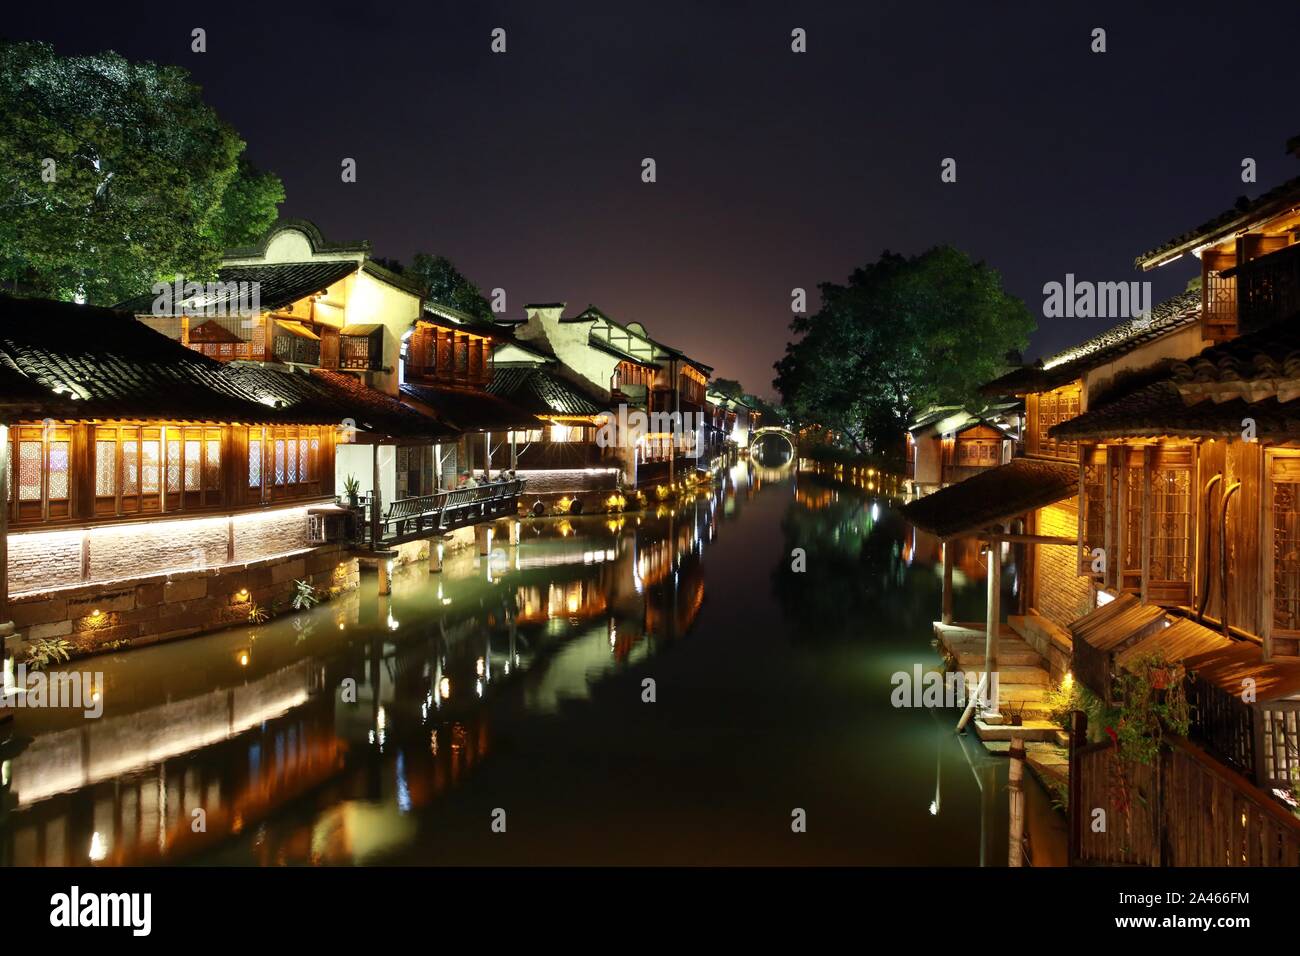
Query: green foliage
{"points": [[729, 387], [304, 596], [249, 206], [447, 286], [258, 614], [1153, 702], [351, 485], [141, 171], [43, 653], [903, 334]]}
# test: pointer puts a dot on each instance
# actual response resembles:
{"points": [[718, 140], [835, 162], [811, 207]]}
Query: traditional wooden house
{"points": [[1190, 491], [293, 299], [447, 374], [566, 456], [295, 302], [1030, 504], [151, 495], [950, 443], [632, 373]]}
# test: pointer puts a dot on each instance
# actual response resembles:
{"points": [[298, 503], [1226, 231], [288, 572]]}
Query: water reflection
{"points": [[379, 729]]}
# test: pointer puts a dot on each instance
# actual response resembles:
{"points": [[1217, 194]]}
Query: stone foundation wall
{"points": [[42, 560], [144, 610]]}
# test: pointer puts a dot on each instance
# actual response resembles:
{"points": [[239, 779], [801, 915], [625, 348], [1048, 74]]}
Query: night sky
{"points": [[775, 169]]}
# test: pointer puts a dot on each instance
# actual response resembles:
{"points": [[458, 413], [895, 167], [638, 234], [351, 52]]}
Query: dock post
{"points": [[435, 556], [385, 567], [483, 538], [1078, 738], [993, 624], [1016, 791], [947, 582]]}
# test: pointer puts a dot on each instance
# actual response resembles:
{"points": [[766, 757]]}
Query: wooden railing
{"points": [[1268, 288], [1184, 809], [408, 518]]}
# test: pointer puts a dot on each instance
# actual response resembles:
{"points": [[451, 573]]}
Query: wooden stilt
{"points": [[992, 625], [1016, 791], [947, 582]]}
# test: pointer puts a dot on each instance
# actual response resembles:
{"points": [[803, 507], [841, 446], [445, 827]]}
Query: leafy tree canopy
{"points": [[447, 285], [904, 333], [115, 174]]}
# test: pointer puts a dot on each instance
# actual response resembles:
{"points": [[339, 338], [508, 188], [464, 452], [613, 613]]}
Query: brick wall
{"points": [[1060, 594], [153, 608], [42, 560]]}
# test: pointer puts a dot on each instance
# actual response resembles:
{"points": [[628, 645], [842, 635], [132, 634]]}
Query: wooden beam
{"points": [[1028, 539]]}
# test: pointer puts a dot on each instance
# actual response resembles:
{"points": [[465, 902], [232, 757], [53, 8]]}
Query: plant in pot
{"points": [[352, 487]]}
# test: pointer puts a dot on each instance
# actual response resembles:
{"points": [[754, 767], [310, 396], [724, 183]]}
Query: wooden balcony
{"points": [[407, 519], [1268, 288]]}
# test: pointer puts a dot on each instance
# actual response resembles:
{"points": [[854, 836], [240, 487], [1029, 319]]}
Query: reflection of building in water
{"points": [[124, 790], [571, 599]]}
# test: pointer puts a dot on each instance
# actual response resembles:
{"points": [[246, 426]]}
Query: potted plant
{"points": [[353, 489]]}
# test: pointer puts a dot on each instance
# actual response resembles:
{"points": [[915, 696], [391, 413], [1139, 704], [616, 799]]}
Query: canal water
{"points": [[647, 689]]}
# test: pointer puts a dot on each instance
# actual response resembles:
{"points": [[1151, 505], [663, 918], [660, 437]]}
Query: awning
{"points": [[469, 410], [1238, 661], [1115, 636], [298, 329], [993, 496]]}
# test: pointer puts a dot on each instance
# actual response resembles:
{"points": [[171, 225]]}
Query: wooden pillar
{"points": [[436, 548], [6, 625], [992, 624], [487, 456], [483, 538], [1078, 737], [374, 496], [385, 576], [947, 582], [1016, 792]]}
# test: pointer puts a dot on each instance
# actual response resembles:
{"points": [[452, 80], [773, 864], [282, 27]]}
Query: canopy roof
{"points": [[993, 496]]}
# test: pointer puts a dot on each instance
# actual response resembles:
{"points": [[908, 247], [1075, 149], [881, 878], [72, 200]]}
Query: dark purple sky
{"points": [[775, 170]]}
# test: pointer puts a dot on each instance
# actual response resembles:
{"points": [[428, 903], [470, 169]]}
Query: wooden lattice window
{"points": [[1286, 555], [1171, 526], [1093, 516], [1053, 408]]}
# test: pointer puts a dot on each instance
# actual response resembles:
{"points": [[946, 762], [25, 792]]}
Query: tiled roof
{"points": [[1256, 376], [540, 391], [469, 410], [1072, 363], [443, 314], [335, 398], [279, 284], [993, 496], [1230, 667], [91, 362], [1242, 214]]}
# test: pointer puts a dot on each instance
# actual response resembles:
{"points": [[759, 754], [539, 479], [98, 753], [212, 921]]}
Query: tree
{"points": [[447, 286], [115, 174], [729, 387], [249, 206], [903, 334]]}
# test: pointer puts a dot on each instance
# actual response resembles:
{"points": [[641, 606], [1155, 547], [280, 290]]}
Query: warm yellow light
{"points": [[241, 595], [444, 688], [479, 667], [1067, 681], [243, 658]]}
